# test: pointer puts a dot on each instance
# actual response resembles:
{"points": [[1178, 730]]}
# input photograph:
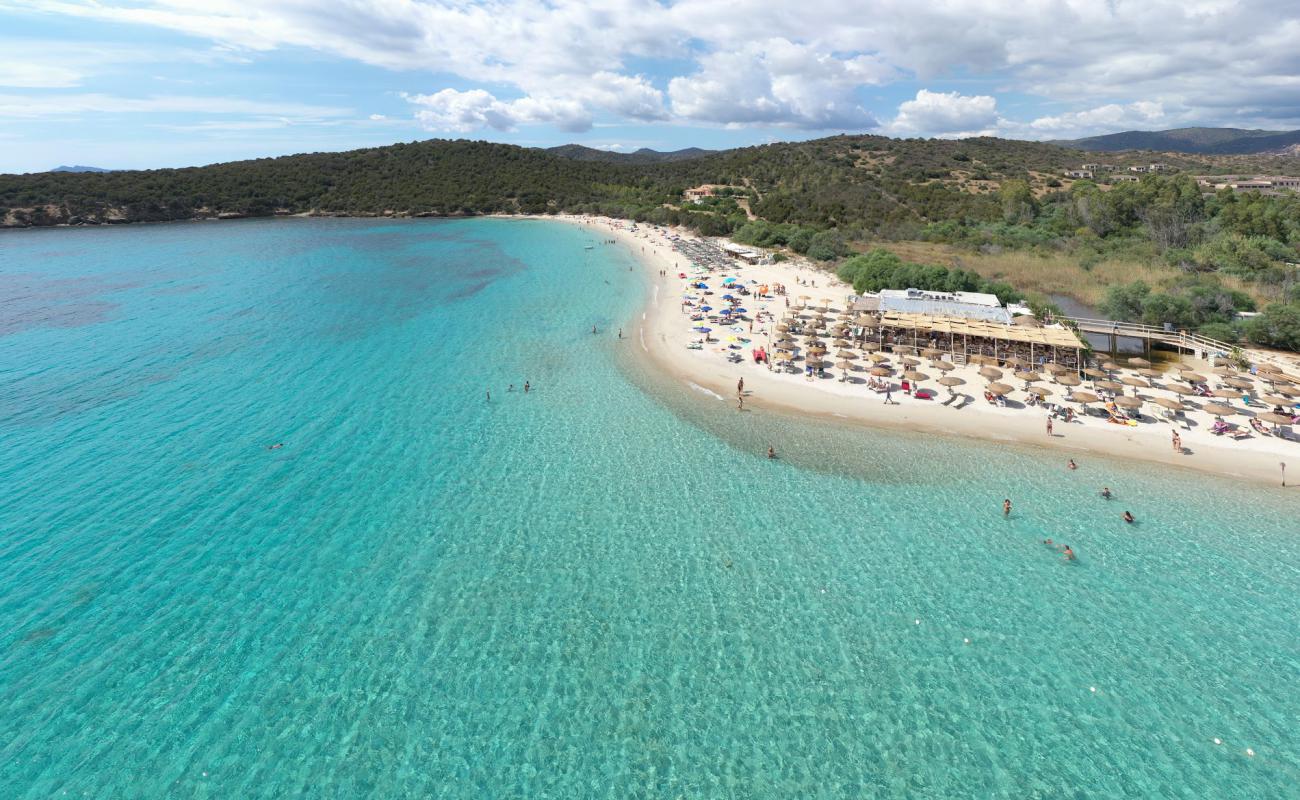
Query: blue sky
{"points": [[155, 83]]}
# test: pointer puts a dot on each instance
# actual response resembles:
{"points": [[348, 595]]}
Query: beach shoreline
{"points": [[663, 332]]}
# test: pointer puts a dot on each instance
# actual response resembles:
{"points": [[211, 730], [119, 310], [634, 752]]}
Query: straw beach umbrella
{"points": [[1129, 380], [944, 366], [1180, 388], [1225, 393], [1276, 419], [1056, 369], [916, 377], [1240, 383], [1139, 362], [1041, 391], [950, 381], [846, 366], [1219, 410], [881, 372], [1128, 402], [1069, 380], [1276, 400], [1028, 376], [999, 388], [1172, 405], [1093, 372], [992, 373], [1150, 373]]}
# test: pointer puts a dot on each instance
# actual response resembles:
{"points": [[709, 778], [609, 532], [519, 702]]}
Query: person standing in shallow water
{"points": [[527, 386], [1006, 507]]}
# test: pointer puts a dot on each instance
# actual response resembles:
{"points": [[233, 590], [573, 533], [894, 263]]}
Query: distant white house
{"points": [[1078, 173]]}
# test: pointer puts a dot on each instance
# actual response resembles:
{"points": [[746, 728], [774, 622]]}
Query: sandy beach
{"points": [[664, 332]]}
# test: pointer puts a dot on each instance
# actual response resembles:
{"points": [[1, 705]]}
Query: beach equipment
{"points": [[992, 373], [703, 329], [1028, 376], [1109, 366], [1093, 372], [880, 372], [1192, 377], [944, 366], [1150, 373], [1056, 369], [1180, 388], [1275, 418], [1225, 393], [1240, 383], [1219, 410], [913, 375], [999, 388], [741, 310], [878, 357], [1268, 368], [1277, 400], [1129, 380], [1139, 362], [951, 381], [1083, 398], [1225, 371], [1041, 391], [1069, 380], [911, 362], [1128, 402], [1172, 405], [1110, 386]]}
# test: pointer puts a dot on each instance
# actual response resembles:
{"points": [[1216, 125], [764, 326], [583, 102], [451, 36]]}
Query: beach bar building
{"points": [[964, 325]]}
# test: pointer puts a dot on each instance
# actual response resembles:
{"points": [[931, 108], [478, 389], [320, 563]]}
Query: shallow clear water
{"points": [[600, 589]]}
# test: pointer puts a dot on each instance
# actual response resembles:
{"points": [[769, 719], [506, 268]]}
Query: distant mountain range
{"points": [[1208, 141], [79, 168], [645, 155]]}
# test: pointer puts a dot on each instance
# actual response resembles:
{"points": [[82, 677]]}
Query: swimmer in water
{"points": [[1006, 507], [1072, 465], [771, 452], [1068, 553], [1128, 517], [1105, 492], [527, 386], [275, 446]]}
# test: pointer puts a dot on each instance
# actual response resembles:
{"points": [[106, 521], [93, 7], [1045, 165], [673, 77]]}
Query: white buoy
{"points": [[918, 622], [1250, 752], [967, 641], [1092, 689], [1217, 740]]}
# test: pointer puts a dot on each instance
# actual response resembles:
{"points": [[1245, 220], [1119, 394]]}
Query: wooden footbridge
{"points": [[1151, 336]]}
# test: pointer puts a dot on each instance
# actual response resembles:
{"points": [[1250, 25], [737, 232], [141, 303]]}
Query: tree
{"points": [[1278, 326], [1124, 302], [1019, 206]]}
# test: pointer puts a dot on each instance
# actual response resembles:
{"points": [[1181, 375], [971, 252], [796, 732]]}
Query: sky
{"points": [[163, 83]]}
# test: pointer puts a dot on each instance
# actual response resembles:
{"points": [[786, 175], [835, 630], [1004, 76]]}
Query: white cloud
{"points": [[763, 63], [1110, 117], [14, 106], [377, 117], [451, 110], [946, 114], [777, 82]]}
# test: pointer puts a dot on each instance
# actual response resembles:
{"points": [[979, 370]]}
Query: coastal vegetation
{"points": [[979, 212]]}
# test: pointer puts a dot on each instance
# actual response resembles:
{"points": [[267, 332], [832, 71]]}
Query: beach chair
{"points": [[1220, 427]]}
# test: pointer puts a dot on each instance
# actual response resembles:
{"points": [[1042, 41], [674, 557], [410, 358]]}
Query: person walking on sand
{"points": [[1177, 442], [740, 386], [620, 333], [740, 402], [1049, 425]]}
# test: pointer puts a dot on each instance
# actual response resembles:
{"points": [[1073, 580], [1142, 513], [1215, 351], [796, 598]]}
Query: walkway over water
{"points": [[1151, 335]]}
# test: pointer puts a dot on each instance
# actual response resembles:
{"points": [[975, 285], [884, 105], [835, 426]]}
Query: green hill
{"points": [[1208, 141]]}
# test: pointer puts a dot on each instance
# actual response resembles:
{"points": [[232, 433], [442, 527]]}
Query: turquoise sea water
{"points": [[600, 589]]}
